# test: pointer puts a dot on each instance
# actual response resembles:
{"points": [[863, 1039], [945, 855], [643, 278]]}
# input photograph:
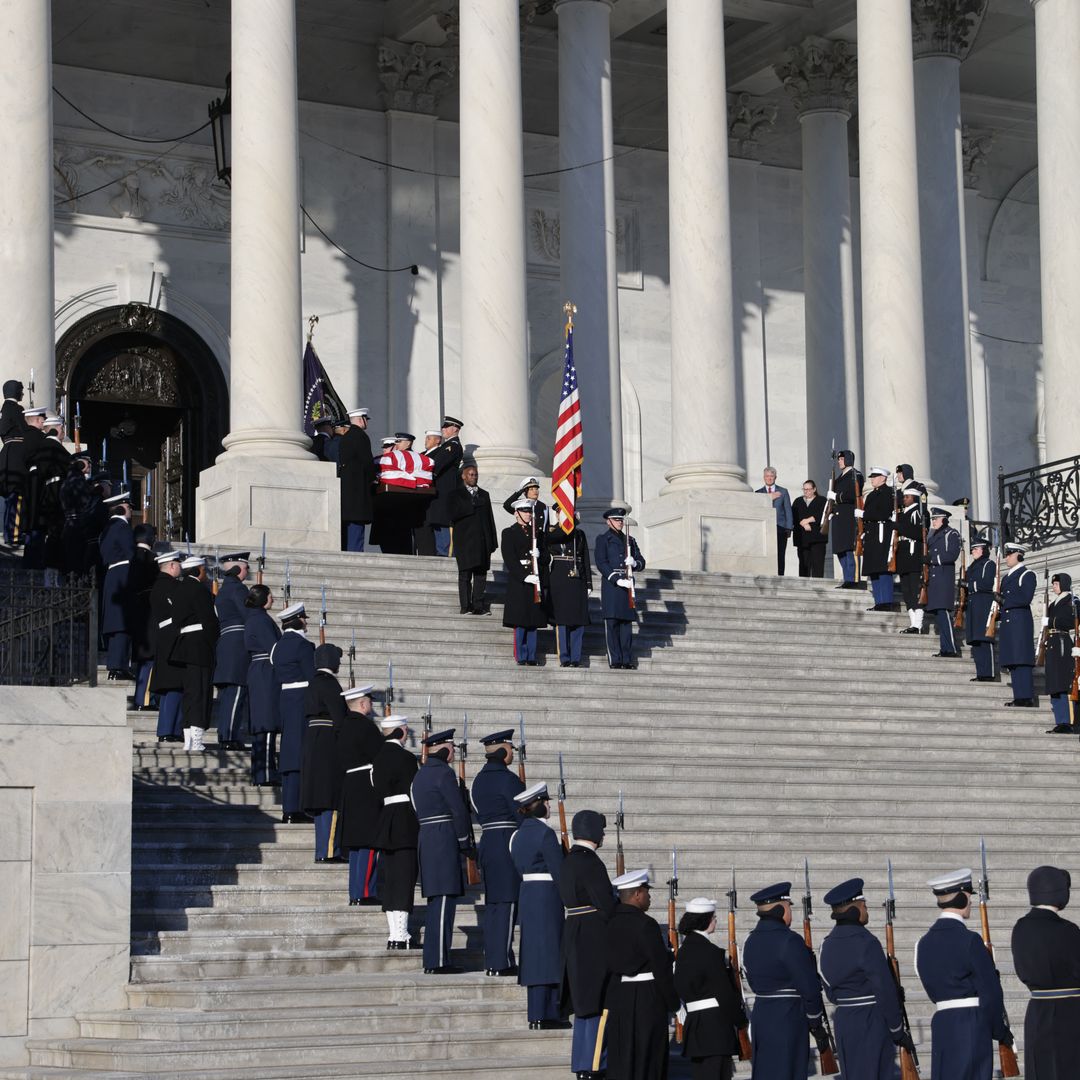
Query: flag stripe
{"points": [[569, 454]]}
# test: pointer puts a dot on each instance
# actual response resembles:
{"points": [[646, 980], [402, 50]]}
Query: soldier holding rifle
{"points": [[522, 608], [1061, 616], [876, 515], [843, 498], [980, 580], [1016, 629], [943, 548], [910, 548], [618, 558]]}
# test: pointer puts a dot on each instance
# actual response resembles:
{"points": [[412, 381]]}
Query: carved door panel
{"points": [[172, 485]]}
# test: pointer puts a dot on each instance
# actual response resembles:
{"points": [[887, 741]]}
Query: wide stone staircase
{"points": [[768, 720]]}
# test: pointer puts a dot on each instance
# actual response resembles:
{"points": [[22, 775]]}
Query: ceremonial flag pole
{"points": [[569, 447]]}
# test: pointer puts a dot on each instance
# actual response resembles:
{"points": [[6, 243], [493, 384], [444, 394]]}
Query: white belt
{"points": [[645, 976], [164, 623], [191, 629], [958, 1003], [390, 799], [538, 877], [293, 685], [113, 565], [703, 1003], [359, 768]]}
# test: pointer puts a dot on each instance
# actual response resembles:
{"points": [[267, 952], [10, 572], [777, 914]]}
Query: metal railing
{"points": [[1041, 506], [48, 629]]}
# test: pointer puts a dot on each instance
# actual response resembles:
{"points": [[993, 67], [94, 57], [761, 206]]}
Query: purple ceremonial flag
{"points": [[320, 397]]}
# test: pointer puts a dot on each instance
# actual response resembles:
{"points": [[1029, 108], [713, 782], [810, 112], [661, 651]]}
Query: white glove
{"points": [[831, 496], [525, 562], [532, 579], [1045, 622], [681, 1015], [892, 517], [1075, 652], [534, 552], [591, 593], [629, 560], [858, 513], [625, 583]]}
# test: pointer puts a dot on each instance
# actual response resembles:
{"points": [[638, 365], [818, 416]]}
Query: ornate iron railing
{"points": [[1041, 506], [48, 630]]}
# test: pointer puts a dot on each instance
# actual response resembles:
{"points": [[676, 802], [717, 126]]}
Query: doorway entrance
{"points": [[150, 404]]}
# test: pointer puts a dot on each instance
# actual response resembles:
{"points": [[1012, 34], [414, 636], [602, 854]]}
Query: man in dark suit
{"points": [[781, 501], [433, 537], [356, 468], [474, 539]]}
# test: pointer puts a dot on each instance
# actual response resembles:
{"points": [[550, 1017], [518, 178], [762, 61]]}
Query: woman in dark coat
{"points": [[1060, 664], [261, 634], [320, 771], [522, 610], [569, 583], [474, 539], [705, 985], [808, 510]]}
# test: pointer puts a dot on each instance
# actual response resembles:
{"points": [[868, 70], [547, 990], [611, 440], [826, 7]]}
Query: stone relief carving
{"points": [[143, 375], [977, 144], [747, 117], [544, 240], [129, 317], [820, 74], [946, 26], [414, 76]]}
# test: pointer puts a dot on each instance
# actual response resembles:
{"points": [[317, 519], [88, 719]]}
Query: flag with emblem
{"points": [[320, 397], [569, 448]]}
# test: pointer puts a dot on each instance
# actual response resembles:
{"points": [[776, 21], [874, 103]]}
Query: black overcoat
{"points": [[445, 462], [800, 509], [877, 530], [1059, 659], [320, 768], [144, 572], [520, 607], [358, 741], [702, 972], [193, 606], [569, 577], [392, 774], [909, 547], [474, 528], [164, 630], [357, 471], [590, 902], [842, 525]]}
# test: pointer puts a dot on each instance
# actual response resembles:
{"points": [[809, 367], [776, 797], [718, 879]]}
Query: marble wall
{"points": [[65, 860]]}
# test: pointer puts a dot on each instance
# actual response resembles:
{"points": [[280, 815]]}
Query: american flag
{"points": [[569, 450]]}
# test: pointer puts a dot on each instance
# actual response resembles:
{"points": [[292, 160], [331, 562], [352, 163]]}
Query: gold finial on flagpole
{"points": [[571, 310], [313, 321]]}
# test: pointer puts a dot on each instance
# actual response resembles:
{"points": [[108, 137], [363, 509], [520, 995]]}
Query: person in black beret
{"points": [[1046, 956]]}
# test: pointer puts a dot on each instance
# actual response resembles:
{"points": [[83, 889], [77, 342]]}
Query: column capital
{"points": [[820, 75], [945, 27], [747, 115], [977, 145], [414, 76]]}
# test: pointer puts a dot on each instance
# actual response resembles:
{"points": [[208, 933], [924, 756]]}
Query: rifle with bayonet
{"points": [[961, 593], [288, 584], [830, 501], [262, 562], [521, 748], [322, 618], [562, 806], [620, 824], [628, 568], [215, 573], [733, 960], [995, 606], [1074, 692], [352, 659], [388, 697], [860, 504], [472, 873], [1044, 636], [1006, 1054], [672, 925], [909, 1061], [924, 591], [427, 731], [534, 555], [825, 1044]]}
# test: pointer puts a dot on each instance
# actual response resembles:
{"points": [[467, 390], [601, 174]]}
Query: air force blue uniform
{"points": [[293, 660], [981, 578], [261, 634], [943, 546], [619, 617], [1016, 632], [232, 661]]}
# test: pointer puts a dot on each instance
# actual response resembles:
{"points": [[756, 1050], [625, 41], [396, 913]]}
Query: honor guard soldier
{"points": [[144, 572], [293, 660], [444, 837], [910, 552], [398, 831], [356, 468], [523, 608], [641, 990], [530, 490], [704, 982], [569, 576], [1061, 616], [618, 558], [589, 899], [538, 858], [232, 661], [493, 790], [433, 537], [47, 464], [1016, 629], [194, 649], [842, 530], [116, 549], [166, 678], [780, 969], [980, 580], [1046, 956], [359, 739], [959, 977], [474, 539], [320, 770], [261, 634], [943, 547], [855, 971], [877, 514]]}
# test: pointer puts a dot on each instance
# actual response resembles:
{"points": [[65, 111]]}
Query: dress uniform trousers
{"points": [[232, 713], [620, 641]]}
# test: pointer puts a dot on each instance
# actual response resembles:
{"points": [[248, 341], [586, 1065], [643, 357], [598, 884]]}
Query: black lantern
{"points": [[220, 112]]}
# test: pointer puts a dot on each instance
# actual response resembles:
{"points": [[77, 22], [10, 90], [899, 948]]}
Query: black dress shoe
{"points": [[501, 972], [575, 663], [910, 630], [534, 1025], [449, 969], [948, 655], [356, 903], [1021, 703], [531, 663], [564, 663], [465, 611], [1060, 729], [982, 678]]}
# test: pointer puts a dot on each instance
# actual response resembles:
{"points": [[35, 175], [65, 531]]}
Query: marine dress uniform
{"points": [[444, 837], [877, 514], [981, 578], [521, 610], [910, 554], [166, 678], [320, 768], [616, 566], [144, 572], [538, 858], [569, 577], [116, 548], [958, 975], [943, 547], [787, 992], [1016, 628], [493, 790], [1046, 956], [261, 634], [855, 971], [359, 739], [1060, 651], [433, 537], [193, 650], [232, 660], [293, 661]]}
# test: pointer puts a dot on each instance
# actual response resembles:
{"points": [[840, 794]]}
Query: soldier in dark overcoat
{"points": [[1016, 627], [232, 660], [538, 857], [144, 572], [842, 529], [47, 465], [522, 552], [261, 634], [433, 537], [959, 977], [166, 678], [911, 555], [706, 986], [194, 649], [641, 989], [877, 512], [398, 832], [943, 547], [1046, 957], [618, 558], [116, 548], [358, 741], [493, 790], [589, 898], [293, 660], [780, 970], [1061, 616], [980, 579], [320, 769], [855, 971], [76, 499], [474, 539], [570, 583], [18, 447], [445, 836], [356, 468]]}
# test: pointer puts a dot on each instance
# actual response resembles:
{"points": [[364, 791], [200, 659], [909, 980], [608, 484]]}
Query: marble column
{"points": [[896, 424], [1057, 46], [820, 76], [587, 240], [267, 479], [26, 196], [494, 330], [943, 34]]}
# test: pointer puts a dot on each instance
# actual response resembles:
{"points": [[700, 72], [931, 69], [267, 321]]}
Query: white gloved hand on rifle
{"points": [[534, 552], [630, 560], [1045, 622], [858, 513], [1075, 652], [831, 496], [625, 583], [532, 579]]}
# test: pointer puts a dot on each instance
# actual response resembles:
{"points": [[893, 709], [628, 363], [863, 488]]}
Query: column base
{"points": [[732, 532], [704, 476], [296, 503]]}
